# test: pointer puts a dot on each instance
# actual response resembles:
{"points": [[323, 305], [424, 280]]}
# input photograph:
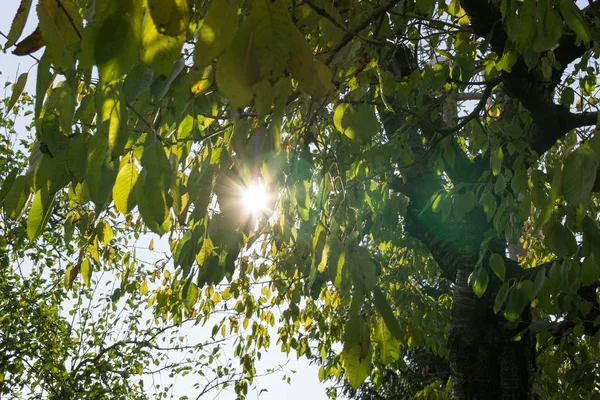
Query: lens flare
{"points": [[255, 199]]}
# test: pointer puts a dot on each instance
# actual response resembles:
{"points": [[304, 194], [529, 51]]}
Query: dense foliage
{"points": [[431, 169]]}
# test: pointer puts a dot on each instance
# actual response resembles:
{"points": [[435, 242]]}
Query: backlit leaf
{"points": [[16, 197], [313, 75], [39, 214], [60, 27], [479, 280], [159, 50], [239, 69], [216, 32], [86, 271], [18, 23], [384, 308], [123, 191], [17, 89], [171, 17], [117, 36], [389, 346]]}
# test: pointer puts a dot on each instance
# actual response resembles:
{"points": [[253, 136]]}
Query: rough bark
{"points": [[485, 360]]}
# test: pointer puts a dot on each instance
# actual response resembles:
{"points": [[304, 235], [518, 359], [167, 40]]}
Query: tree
{"points": [[61, 338], [405, 145]]}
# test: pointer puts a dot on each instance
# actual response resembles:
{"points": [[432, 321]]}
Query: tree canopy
{"points": [[429, 171]]}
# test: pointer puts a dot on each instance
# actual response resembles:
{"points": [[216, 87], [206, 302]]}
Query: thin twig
{"points": [[75, 28], [351, 34]]}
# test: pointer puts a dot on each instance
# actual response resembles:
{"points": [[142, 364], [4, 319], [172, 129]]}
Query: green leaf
{"points": [[501, 297], [239, 69], [104, 231], [579, 175], [16, 197], [575, 21], [548, 207], [60, 27], [161, 86], [265, 95], [138, 80], [462, 204], [39, 214], [152, 203], [113, 118], [43, 81], [8, 183], [389, 346], [496, 161], [521, 26], [549, 27], [76, 156], [171, 17], [70, 275], [517, 300], [356, 367], [540, 280], [561, 241], [123, 191], [86, 269], [190, 294], [567, 97], [384, 308], [17, 89], [159, 50], [216, 32], [313, 75], [116, 20], [272, 29], [425, 7], [500, 184], [356, 123], [101, 171], [497, 265], [357, 352], [18, 23], [590, 270], [479, 280]]}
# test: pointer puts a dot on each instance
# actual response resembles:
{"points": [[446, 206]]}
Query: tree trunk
{"points": [[486, 362]]}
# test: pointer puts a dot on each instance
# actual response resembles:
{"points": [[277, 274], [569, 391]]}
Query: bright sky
{"points": [[304, 383]]}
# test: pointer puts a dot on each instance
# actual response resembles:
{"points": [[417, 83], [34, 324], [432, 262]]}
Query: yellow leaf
{"points": [[144, 287]]}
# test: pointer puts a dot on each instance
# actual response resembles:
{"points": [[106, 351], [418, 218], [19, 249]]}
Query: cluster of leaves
{"points": [[351, 114], [64, 337]]}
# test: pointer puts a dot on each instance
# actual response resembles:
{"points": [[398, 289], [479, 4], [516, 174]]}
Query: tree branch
{"points": [[354, 32]]}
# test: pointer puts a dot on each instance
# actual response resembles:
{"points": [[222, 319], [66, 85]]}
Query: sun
{"points": [[255, 199]]}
